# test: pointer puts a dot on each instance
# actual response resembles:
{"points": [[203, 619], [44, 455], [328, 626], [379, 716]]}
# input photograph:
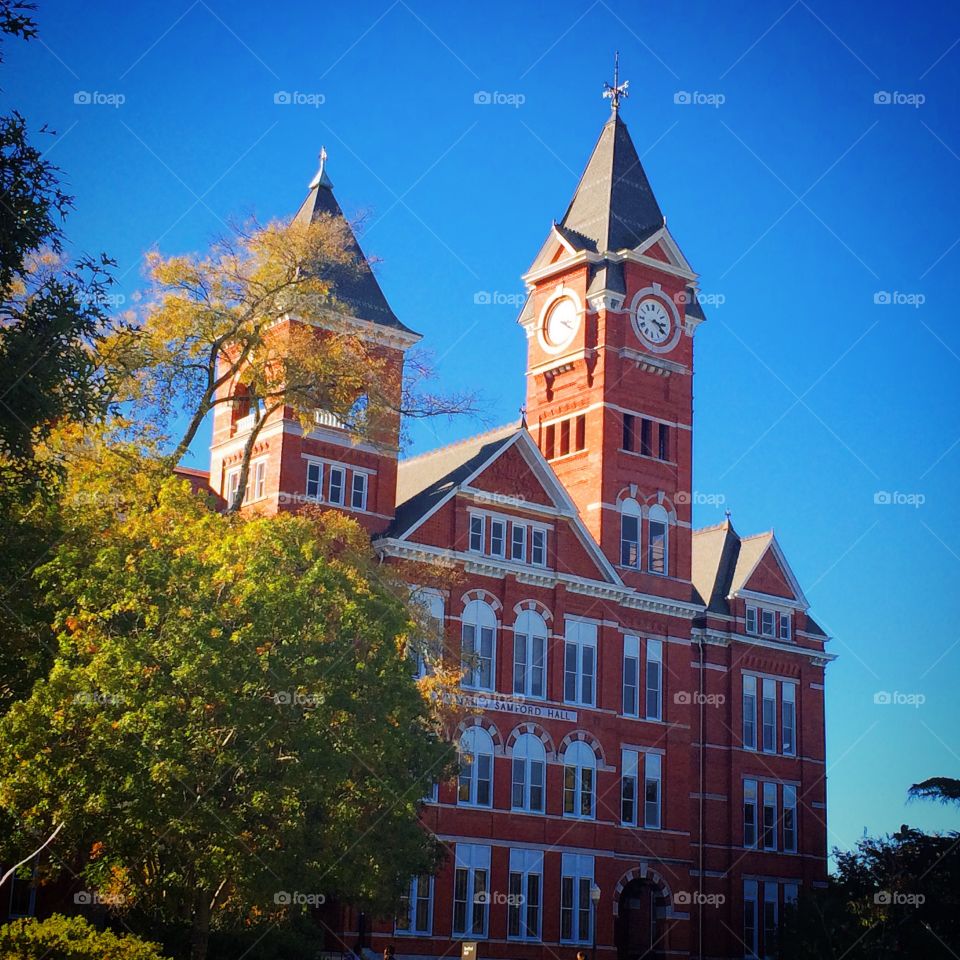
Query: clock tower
{"points": [[610, 316]]}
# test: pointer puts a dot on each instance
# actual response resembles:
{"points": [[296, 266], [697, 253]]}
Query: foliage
{"points": [[892, 897], [231, 704], [941, 789], [70, 938]]}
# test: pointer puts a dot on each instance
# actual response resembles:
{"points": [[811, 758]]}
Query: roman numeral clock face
{"points": [[655, 320]]}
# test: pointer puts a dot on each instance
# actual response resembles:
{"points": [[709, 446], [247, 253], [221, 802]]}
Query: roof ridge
{"points": [[755, 536], [459, 443], [715, 526]]}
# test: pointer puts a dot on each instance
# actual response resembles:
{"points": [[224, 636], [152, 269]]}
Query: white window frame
{"points": [[749, 706], [652, 783], [750, 912], [657, 517], [768, 824], [790, 834], [498, 524], [785, 628], [473, 860], [479, 623], [333, 471], [768, 716], [788, 719], [768, 616], [231, 485], [577, 868], [530, 646], [751, 826], [364, 482], [579, 653], [258, 480], [478, 523], [578, 761], [413, 899], [771, 918], [317, 482], [526, 867], [538, 546], [752, 621], [433, 606], [629, 785], [630, 545], [476, 756], [518, 556], [653, 680], [528, 774], [631, 688]]}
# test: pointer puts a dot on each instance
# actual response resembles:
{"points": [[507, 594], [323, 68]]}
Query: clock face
{"points": [[562, 322], [653, 322]]}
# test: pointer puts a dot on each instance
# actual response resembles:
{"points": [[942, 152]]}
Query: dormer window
{"points": [[476, 534], [503, 538], [752, 620], [785, 631], [497, 535], [766, 623]]}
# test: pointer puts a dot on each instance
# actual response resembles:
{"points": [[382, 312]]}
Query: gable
{"points": [[511, 478], [658, 253], [771, 575]]}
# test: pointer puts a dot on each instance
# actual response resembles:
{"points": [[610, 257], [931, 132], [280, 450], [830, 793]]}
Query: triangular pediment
{"points": [[762, 569], [662, 247]]}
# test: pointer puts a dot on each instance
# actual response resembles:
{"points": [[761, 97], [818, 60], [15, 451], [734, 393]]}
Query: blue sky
{"points": [[799, 199]]}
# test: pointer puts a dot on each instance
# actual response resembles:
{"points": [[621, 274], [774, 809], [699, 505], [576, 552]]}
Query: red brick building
{"points": [[647, 770]]}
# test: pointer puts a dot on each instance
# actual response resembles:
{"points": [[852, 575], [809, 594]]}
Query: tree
{"points": [[70, 938], [256, 321], [231, 714], [941, 789]]}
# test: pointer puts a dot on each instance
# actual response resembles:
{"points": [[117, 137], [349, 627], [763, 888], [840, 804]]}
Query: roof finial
{"points": [[617, 90], [321, 179]]}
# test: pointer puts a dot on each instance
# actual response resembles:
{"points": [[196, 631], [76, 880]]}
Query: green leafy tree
{"points": [[231, 715], [70, 938], [941, 789]]}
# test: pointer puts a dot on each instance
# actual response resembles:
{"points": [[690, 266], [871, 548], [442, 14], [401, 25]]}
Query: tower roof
{"points": [[613, 207], [354, 284]]}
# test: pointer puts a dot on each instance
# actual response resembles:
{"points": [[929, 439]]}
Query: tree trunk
{"points": [[200, 935]]}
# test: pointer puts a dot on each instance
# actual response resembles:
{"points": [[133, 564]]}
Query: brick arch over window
{"points": [[662, 500], [486, 597], [536, 606], [518, 731], [590, 741], [484, 724], [663, 900]]}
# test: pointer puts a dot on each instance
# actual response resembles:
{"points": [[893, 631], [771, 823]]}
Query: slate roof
{"points": [[354, 285], [425, 480], [613, 207]]}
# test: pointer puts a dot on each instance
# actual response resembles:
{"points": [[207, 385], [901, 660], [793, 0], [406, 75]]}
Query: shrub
{"points": [[70, 938]]}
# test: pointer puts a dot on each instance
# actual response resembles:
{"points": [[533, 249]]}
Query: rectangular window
{"points": [[314, 480], [259, 486], [769, 716], [790, 893], [232, 486], [564, 438], [645, 430], [580, 440], [576, 909], [750, 712], [524, 886], [580, 663], [785, 627], [631, 676], [663, 451], [428, 651], [336, 489], [629, 428], [752, 620], [358, 491], [529, 662], [769, 816], [789, 818], [651, 791], [628, 787], [654, 684], [788, 693], [476, 533], [578, 791], [23, 891], [630, 541], [766, 623], [477, 644], [416, 906], [549, 441], [518, 542], [498, 531], [770, 897], [538, 548], [657, 548], [471, 891], [750, 813], [750, 918]]}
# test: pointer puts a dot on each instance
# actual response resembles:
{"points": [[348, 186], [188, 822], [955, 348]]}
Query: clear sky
{"points": [[800, 200]]}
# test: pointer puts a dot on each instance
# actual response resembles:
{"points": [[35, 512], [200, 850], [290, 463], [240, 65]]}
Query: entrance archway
{"points": [[641, 905]]}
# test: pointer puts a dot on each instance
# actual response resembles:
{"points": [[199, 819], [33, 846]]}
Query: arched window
{"points": [[478, 645], [630, 534], [657, 544], [579, 780], [530, 655], [475, 785], [529, 764]]}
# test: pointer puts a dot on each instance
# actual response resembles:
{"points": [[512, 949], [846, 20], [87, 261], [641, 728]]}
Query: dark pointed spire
{"points": [[354, 285], [613, 207]]}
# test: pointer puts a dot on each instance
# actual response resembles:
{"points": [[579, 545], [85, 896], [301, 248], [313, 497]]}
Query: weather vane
{"points": [[617, 90]]}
